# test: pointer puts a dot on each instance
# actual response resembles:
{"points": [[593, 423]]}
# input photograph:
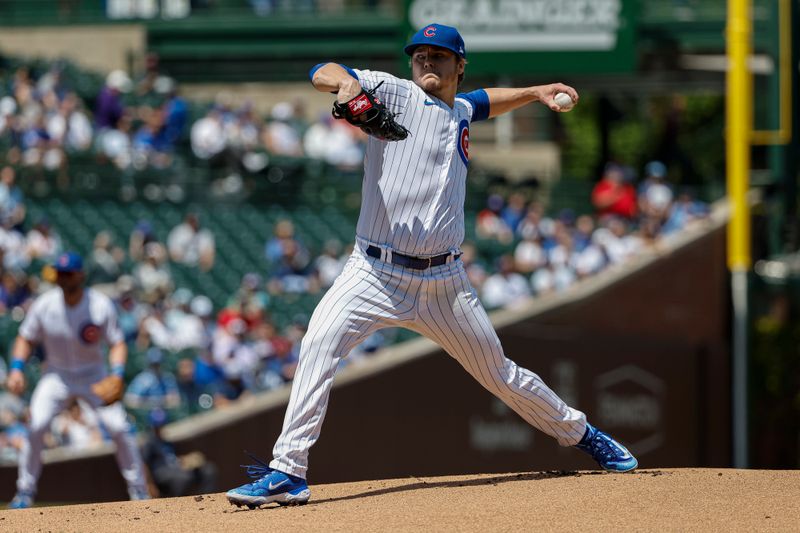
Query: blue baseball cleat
{"points": [[269, 486], [22, 500], [609, 454]]}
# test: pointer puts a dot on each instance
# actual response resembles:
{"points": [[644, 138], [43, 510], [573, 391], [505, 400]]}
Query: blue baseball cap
{"points": [[438, 35], [68, 262]]}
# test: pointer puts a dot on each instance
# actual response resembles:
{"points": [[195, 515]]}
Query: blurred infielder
{"points": [[73, 323], [405, 270]]}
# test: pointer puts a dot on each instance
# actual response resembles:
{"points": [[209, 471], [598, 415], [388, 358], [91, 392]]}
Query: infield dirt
{"points": [[653, 500]]}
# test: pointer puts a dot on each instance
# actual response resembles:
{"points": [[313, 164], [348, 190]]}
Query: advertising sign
{"points": [[536, 36]]}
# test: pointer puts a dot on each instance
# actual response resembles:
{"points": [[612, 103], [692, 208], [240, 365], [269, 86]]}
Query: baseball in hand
{"points": [[564, 101]]}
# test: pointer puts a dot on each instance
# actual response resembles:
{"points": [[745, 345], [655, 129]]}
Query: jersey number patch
{"points": [[463, 141]]}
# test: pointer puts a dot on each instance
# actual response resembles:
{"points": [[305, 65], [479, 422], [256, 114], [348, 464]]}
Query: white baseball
{"points": [[564, 101]]}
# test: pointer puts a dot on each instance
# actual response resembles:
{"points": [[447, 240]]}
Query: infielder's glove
{"points": [[109, 389], [368, 113]]}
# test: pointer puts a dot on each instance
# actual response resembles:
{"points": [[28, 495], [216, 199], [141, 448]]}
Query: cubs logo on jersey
{"points": [[90, 333], [463, 141]]}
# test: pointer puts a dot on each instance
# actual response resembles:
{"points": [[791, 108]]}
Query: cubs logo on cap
{"points": [[438, 35], [68, 262]]}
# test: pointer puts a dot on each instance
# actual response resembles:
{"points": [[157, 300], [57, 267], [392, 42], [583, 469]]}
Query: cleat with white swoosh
{"points": [[269, 486], [609, 454]]}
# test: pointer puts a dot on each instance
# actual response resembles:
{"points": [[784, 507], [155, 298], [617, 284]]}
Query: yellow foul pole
{"points": [[738, 118]]}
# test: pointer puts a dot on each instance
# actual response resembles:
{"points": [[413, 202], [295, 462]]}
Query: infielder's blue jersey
{"points": [[413, 190]]}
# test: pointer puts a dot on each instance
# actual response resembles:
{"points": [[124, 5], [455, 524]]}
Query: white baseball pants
{"points": [[52, 395], [438, 303]]}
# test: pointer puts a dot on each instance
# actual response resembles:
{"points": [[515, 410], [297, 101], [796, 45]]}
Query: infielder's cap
{"points": [[68, 262], [438, 35]]}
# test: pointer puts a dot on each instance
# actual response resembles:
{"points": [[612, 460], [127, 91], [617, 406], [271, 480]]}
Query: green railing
{"points": [[277, 48]]}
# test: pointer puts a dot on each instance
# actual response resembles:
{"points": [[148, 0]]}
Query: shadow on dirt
{"points": [[417, 483], [420, 483]]}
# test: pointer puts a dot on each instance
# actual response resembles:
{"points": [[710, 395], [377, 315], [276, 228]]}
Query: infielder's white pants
{"points": [[438, 303], [51, 396]]}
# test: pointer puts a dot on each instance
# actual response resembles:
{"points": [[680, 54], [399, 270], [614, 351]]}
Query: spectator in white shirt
{"points": [[77, 427], [238, 359], [655, 195], [42, 242], [529, 255], [152, 275], [280, 137], [551, 279], [70, 126], [329, 264], [208, 135], [335, 142], [192, 245], [505, 288]]}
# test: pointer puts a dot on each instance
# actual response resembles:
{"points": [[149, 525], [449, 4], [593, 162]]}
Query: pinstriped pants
{"points": [[438, 303]]}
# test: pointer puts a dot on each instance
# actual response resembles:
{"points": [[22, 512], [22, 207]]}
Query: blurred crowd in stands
{"points": [[146, 123], [238, 138], [550, 253], [192, 357], [189, 354], [266, 8]]}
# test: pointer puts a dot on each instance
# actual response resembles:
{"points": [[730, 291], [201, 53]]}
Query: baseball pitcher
{"points": [[405, 270]]}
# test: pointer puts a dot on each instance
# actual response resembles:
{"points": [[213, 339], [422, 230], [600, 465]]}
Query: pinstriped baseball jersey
{"points": [[413, 191]]}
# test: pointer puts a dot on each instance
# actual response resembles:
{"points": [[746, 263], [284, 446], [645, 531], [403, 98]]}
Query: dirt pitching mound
{"points": [[672, 499]]}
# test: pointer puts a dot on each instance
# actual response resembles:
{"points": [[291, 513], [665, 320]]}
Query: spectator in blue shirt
{"points": [[153, 388], [514, 211], [12, 200], [172, 474], [175, 108], [152, 142], [685, 210]]}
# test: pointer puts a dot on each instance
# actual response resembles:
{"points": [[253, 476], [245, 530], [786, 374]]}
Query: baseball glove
{"points": [[109, 389], [368, 113]]}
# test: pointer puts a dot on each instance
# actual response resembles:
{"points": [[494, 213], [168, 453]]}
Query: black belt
{"points": [[409, 261]]}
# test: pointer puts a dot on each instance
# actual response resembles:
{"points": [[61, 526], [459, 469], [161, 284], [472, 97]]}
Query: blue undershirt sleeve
{"points": [[480, 104], [315, 68]]}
